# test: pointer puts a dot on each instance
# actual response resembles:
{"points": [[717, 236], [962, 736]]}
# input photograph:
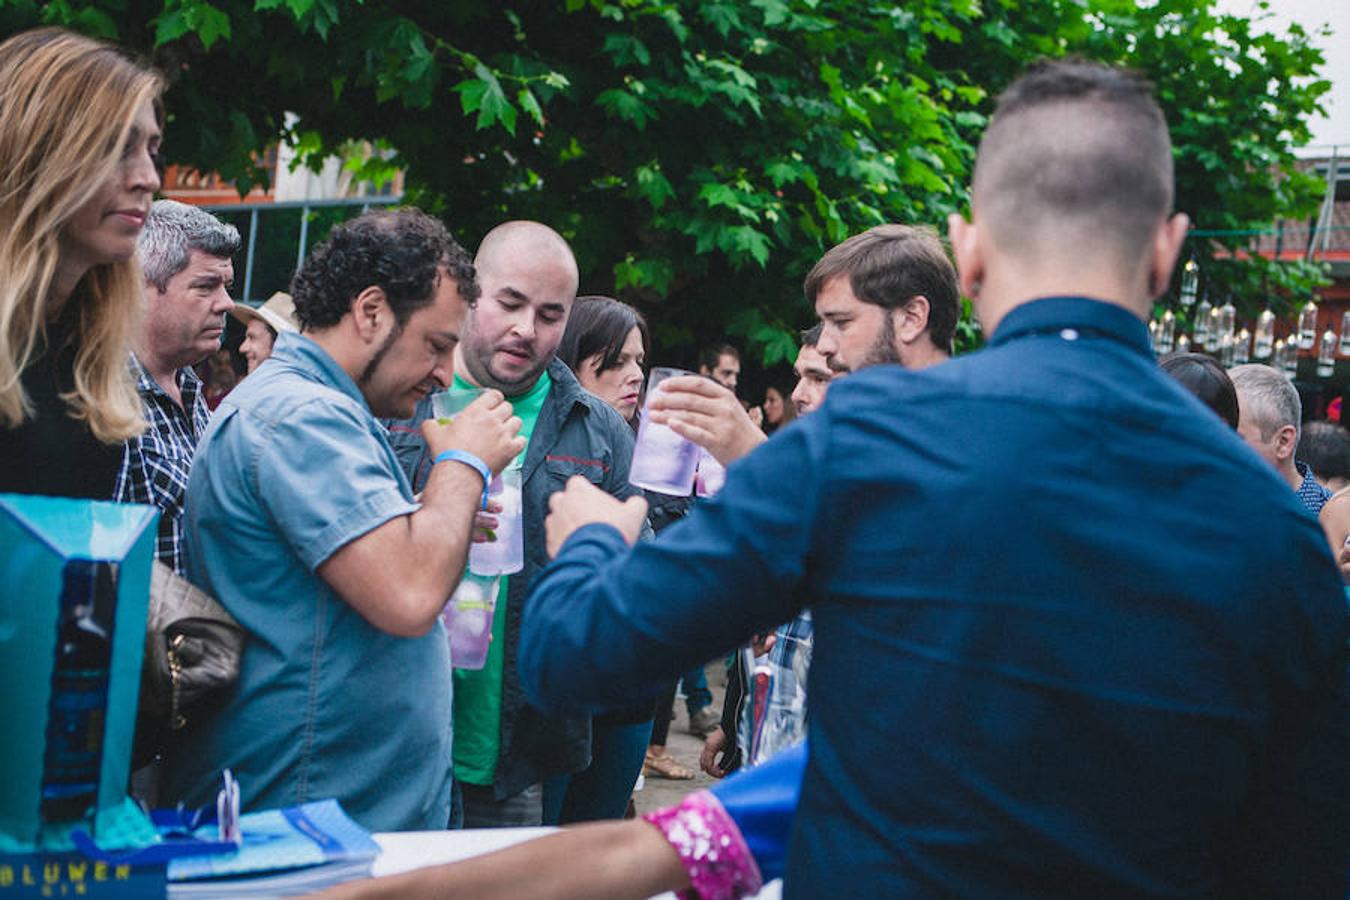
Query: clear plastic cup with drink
{"points": [[468, 620], [662, 460], [711, 474], [451, 402], [506, 552]]}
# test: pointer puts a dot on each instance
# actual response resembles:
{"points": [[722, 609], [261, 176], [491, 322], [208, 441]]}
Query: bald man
{"points": [[504, 748]]}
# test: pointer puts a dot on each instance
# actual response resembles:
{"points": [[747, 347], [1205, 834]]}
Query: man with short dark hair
{"points": [[1270, 417], [1022, 562], [185, 255], [721, 363], [887, 295], [814, 373], [301, 523]]}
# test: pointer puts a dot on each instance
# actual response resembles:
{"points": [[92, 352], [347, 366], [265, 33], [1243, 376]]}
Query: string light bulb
{"points": [[1265, 335], [1190, 282]]}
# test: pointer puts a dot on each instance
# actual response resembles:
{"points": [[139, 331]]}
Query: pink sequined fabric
{"points": [[710, 846]]}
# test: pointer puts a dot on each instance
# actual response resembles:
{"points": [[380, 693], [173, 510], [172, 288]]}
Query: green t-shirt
{"points": [[478, 694]]}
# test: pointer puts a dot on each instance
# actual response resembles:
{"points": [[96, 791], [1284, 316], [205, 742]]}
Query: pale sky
{"points": [[1334, 127]]}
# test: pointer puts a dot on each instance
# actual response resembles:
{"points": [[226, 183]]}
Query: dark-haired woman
{"points": [[1207, 380], [605, 344], [778, 409]]}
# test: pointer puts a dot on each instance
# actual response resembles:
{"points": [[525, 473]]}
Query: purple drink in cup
{"points": [[711, 474], [662, 460], [468, 620]]}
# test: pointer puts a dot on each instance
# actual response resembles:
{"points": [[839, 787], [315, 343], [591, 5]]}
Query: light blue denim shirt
{"points": [[293, 467]]}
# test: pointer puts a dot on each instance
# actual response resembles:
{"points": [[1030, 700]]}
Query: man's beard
{"points": [[374, 365], [882, 351], [474, 361]]}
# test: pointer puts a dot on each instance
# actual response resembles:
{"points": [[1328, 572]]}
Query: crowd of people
{"points": [[1056, 619]]}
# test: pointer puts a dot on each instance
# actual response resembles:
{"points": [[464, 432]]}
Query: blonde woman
{"points": [[79, 133]]}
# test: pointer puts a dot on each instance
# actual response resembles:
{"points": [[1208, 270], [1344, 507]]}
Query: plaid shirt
{"points": [[773, 717], [155, 466]]}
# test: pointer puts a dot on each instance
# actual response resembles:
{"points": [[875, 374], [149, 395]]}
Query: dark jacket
{"points": [[1152, 594], [576, 434]]}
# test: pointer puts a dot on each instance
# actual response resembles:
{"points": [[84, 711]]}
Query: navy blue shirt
{"points": [[1072, 635]]}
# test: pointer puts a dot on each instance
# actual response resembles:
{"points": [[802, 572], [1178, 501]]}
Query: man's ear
{"points": [[1286, 442], [968, 253], [910, 320], [1167, 243], [371, 313]]}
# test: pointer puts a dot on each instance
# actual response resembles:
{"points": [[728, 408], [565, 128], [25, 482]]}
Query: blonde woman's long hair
{"points": [[67, 104]]}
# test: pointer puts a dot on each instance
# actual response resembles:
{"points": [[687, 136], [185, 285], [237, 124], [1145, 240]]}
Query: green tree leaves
{"points": [[702, 154]]}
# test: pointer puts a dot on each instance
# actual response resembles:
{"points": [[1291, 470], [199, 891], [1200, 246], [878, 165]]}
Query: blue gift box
{"points": [[76, 585]]}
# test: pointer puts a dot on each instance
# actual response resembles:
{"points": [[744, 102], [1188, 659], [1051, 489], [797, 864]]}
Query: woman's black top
{"points": [[52, 453]]}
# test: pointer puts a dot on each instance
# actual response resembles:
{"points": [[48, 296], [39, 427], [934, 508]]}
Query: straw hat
{"points": [[278, 313]]}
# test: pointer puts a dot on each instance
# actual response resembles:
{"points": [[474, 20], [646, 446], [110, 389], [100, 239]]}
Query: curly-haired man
{"points": [[300, 521]]}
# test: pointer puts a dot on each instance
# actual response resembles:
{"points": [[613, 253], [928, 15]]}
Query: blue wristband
{"points": [[473, 462]]}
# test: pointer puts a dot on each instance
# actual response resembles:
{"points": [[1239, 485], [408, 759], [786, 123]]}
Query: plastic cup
{"points": [[468, 620], [712, 475], [451, 402], [507, 553], [662, 460]]}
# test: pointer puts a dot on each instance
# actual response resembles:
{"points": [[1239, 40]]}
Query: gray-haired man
{"points": [[186, 256], [1269, 416]]}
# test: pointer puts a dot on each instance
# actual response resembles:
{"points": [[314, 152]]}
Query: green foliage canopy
{"points": [[701, 154]]}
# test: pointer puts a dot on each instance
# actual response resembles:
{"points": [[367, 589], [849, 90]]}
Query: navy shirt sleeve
{"points": [[734, 567]]}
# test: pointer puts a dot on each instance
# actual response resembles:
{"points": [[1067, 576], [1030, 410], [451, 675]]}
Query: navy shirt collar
{"points": [[296, 350], [1083, 314]]}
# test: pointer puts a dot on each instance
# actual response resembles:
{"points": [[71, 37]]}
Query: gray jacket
{"points": [[576, 434]]}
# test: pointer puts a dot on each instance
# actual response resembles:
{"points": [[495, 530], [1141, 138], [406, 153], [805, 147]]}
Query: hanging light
{"points": [[1227, 317], [1153, 336], [1190, 282], [1202, 323], [1289, 360], [1326, 354], [1226, 350], [1242, 347], [1265, 335], [1345, 334], [1277, 355], [1215, 331], [1307, 326], [1167, 329], [1184, 344]]}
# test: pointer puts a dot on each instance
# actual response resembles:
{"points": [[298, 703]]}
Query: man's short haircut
{"points": [[401, 252], [811, 336], [172, 231], [1207, 380], [887, 266], [712, 355], [1267, 397], [1077, 153], [1325, 447]]}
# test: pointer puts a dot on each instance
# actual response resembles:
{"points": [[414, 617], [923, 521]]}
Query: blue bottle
{"points": [[78, 706]]}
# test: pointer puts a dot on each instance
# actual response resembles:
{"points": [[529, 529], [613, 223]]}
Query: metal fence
{"points": [[278, 236]]}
